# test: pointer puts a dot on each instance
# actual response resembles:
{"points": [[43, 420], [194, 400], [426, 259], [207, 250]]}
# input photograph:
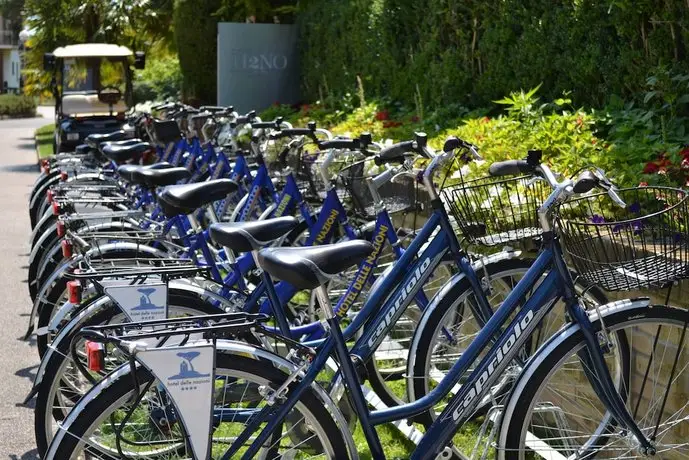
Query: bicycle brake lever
{"points": [[533, 180]]}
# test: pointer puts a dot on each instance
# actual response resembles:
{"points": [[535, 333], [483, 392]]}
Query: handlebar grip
{"points": [[292, 132], [340, 144], [395, 153], [212, 108], [585, 182], [263, 125], [510, 168]]}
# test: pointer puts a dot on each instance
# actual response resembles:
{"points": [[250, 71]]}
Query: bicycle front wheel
{"points": [[554, 411]]}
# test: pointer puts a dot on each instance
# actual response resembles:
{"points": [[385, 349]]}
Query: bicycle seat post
{"points": [[324, 303]]}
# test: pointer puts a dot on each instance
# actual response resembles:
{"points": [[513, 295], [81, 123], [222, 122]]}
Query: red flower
{"points": [[663, 160], [594, 141], [305, 108], [415, 119], [643, 184], [382, 115], [391, 124], [485, 119], [580, 121], [684, 152], [650, 168]]}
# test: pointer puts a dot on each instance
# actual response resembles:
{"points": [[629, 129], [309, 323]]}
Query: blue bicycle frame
{"points": [[503, 349]]}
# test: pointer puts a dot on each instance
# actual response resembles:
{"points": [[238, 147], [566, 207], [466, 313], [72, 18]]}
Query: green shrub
{"points": [[160, 80], [13, 105]]}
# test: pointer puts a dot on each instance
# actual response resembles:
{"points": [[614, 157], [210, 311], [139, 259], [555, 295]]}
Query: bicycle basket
{"points": [[396, 196], [494, 210], [645, 245]]}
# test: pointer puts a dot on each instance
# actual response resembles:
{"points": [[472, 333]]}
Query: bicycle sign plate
{"points": [[187, 374], [143, 301]]}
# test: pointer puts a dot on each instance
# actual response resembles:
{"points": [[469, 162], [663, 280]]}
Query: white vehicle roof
{"points": [[92, 50]]}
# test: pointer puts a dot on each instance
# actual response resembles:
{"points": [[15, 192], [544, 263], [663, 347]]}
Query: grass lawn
{"points": [[44, 140]]}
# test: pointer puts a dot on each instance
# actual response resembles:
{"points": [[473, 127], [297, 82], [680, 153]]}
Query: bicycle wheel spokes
{"points": [[150, 429], [568, 419]]}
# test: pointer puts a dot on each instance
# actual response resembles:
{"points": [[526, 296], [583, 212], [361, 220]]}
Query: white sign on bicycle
{"points": [[140, 302], [187, 374]]}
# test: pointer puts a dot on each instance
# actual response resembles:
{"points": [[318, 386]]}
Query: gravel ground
{"points": [[18, 359]]}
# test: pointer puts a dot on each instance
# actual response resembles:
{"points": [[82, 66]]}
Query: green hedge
{"points": [[196, 30], [435, 52], [13, 105]]}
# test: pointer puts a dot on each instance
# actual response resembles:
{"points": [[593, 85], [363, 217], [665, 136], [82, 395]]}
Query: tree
{"points": [[137, 24]]}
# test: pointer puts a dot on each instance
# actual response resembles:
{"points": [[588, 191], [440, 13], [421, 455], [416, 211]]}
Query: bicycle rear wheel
{"points": [[554, 411], [309, 430]]}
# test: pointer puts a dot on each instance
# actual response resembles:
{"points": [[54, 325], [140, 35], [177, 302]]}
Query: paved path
{"points": [[18, 359]]}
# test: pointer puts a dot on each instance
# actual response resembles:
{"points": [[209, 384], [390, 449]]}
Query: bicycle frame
{"points": [[556, 284]]}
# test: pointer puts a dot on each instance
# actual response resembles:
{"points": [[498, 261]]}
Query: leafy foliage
{"points": [[475, 51], [160, 80], [137, 24], [625, 140]]}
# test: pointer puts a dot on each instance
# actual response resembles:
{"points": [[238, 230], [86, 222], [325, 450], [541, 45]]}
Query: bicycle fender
{"points": [[75, 323], [99, 252], [59, 271], [39, 224]]}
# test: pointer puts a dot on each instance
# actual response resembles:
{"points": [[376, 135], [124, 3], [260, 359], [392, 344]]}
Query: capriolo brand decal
{"points": [[140, 302], [418, 277], [364, 273], [187, 375], [485, 377], [327, 225]]}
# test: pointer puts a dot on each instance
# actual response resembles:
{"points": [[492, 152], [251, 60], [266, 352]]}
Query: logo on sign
{"points": [[145, 303], [186, 367], [261, 62]]}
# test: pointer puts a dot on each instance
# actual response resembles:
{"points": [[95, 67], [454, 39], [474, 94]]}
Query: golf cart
{"points": [[92, 86]]}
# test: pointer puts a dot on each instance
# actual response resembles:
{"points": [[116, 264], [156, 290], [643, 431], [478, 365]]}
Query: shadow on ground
{"points": [[30, 168], [30, 455]]}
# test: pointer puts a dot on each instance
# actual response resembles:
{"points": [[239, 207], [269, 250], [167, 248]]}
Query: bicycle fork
{"points": [[601, 380]]}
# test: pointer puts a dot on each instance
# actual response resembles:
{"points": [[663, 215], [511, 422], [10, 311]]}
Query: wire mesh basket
{"points": [[306, 168], [645, 245], [495, 210], [396, 196]]}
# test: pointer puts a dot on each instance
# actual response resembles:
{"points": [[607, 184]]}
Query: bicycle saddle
{"points": [[310, 267], [94, 140], [184, 199], [159, 177], [249, 236], [122, 153], [127, 171], [83, 149]]}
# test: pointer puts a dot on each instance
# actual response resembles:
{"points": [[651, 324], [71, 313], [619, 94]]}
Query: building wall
{"points": [[11, 68]]}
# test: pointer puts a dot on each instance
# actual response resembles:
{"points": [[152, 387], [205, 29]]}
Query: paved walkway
{"points": [[18, 359]]}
